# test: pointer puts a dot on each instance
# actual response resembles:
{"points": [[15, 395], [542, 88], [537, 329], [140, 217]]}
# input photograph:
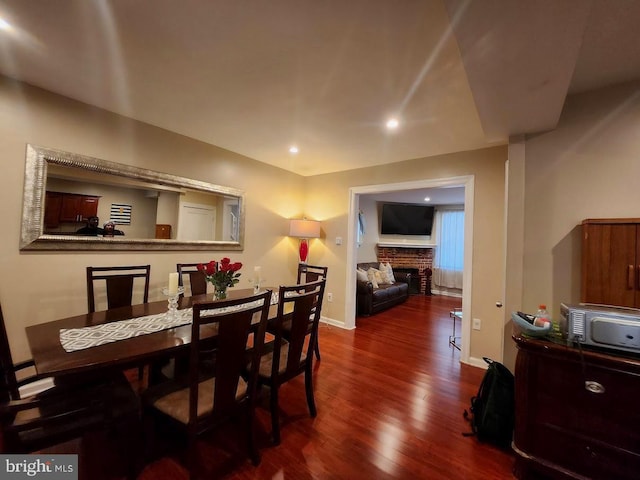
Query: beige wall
{"points": [[514, 244], [167, 213], [588, 167], [328, 200], [366, 252], [37, 287]]}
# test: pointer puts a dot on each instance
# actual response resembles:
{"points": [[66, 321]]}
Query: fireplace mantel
{"points": [[406, 245]]}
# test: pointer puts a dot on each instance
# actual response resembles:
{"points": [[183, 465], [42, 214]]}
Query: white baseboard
{"points": [[477, 362], [446, 293], [335, 323]]}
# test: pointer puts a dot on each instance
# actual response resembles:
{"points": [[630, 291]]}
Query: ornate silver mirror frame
{"points": [[33, 237]]}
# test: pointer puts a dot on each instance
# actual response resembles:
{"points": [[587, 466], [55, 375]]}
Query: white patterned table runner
{"points": [[73, 339]]}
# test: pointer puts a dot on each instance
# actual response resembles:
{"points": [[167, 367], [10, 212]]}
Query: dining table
{"points": [[52, 360]]}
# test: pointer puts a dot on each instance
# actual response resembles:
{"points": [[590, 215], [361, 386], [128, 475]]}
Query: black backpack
{"points": [[493, 408]]}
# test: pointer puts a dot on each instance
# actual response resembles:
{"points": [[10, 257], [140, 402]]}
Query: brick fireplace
{"points": [[407, 257]]}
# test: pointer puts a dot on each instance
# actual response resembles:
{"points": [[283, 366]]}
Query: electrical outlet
{"points": [[476, 324], [329, 297]]}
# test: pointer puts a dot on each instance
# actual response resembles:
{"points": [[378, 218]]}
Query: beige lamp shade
{"points": [[304, 229]]}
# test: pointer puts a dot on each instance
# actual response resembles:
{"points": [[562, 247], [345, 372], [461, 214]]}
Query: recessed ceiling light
{"points": [[4, 25], [392, 123], [427, 199], [293, 149]]}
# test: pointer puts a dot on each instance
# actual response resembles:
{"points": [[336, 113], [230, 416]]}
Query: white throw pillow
{"points": [[362, 275], [387, 273], [390, 271], [371, 276], [379, 276]]}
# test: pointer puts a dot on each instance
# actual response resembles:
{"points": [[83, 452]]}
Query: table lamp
{"points": [[304, 229]]}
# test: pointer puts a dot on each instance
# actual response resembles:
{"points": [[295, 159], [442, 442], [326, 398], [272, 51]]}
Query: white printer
{"points": [[616, 328]]}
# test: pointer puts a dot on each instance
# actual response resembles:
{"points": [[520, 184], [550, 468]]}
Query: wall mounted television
{"points": [[406, 219]]}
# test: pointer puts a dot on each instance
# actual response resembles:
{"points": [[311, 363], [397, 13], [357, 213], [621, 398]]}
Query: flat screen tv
{"points": [[406, 219]]}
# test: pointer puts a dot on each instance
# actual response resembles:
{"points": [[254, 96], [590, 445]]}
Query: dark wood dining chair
{"points": [[218, 385], [198, 286], [311, 273], [119, 288], [292, 353], [197, 280], [119, 284], [66, 410]]}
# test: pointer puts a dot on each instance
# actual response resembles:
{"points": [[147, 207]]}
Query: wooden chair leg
{"points": [[123, 437], [308, 385], [275, 420], [192, 455], [317, 350], [254, 453], [135, 450]]}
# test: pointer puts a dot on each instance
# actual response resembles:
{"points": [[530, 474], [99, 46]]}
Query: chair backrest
{"points": [[119, 284], [8, 382], [197, 280], [311, 273], [241, 326], [301, 304]]}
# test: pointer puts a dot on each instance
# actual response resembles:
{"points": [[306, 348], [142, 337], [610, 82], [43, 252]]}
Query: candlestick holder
{"points": [[256, 282], [172, 301]]}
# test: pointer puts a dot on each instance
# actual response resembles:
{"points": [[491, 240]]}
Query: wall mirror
{"points": [[149, 210]]}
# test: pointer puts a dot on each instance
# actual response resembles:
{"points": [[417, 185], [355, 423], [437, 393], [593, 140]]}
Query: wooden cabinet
{"points": [[52, 206], [69, 207], [163, 230], [566, 430], [611, 262], [78, 208]]}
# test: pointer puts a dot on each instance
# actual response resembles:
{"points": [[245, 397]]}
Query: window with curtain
{"points": [[449, 260], [361, 229]]}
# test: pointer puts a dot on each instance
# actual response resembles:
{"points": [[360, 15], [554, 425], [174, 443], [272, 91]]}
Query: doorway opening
{"points": [[354, 200]]}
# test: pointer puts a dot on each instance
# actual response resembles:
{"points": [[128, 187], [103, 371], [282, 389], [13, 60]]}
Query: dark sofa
{"points": [[371, 300]]}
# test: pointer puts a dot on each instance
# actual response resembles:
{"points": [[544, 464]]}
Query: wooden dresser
{"points": [[563, 429]]}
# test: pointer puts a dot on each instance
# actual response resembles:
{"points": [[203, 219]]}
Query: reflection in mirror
{"points": [[64, 193]]}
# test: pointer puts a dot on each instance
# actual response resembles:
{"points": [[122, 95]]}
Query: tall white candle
{"points": [[173, 283]]}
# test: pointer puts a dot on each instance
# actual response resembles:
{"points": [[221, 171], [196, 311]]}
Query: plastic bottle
{"points": [[542, 316]]}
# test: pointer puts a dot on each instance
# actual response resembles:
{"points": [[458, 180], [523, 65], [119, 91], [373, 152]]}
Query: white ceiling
{"points": [[254, 76]]}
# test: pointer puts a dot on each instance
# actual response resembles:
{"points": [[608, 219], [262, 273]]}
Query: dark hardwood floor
{"points": [[390, 397]]}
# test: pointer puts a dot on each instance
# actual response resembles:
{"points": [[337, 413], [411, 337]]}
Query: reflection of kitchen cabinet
{"points": [[78, 208], [52, 206], [611, 261], [69, 207]]}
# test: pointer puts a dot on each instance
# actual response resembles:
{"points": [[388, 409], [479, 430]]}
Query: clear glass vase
{"points": [[220, 293]]}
